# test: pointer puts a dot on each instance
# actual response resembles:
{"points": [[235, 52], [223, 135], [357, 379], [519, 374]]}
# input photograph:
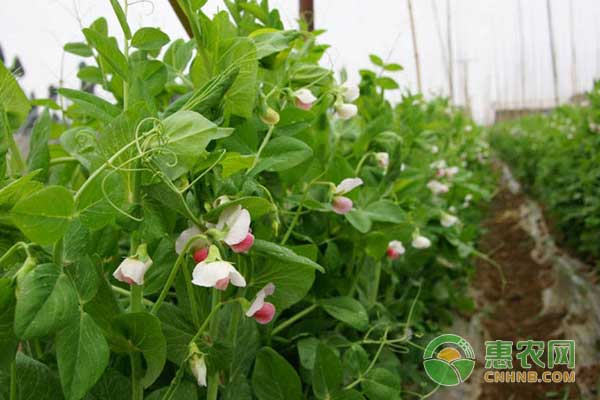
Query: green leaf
{"points": [[186, 390], [82, 355], [17, 189], [80, 142], [141, 332], [91, 74], [8, 340], [235, 162], [348, 310], [393, 67], [44, 215], [178, 332], [46, 302], [91, 105], [385, 211], [12, 99], [307, 352], [39, 155], [327, 375], [269, 249], [376, 60], [121, 17], [382, 384], [85, 277], [387, 83], [359, 219], [179, 54], [79, 49], [274, 378], [109, 50], [96, 203], [149, 39], [256, 206], [293, 281], [268, 42], [283, 153], [35, 381]]}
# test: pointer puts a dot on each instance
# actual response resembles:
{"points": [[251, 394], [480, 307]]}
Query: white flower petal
{"points": [[348, 185], [228, 215], [346, 110], [350, 91], [184, 237], [207, 274], [199, 370], [305, 96], [236, 278], [132, 271], [259, 300], [238, 227]]}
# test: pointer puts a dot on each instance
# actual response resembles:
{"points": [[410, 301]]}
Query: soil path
{"points": [[534, 301]]}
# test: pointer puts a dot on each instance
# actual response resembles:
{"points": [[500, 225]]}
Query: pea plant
{"points": [[226, 219]]}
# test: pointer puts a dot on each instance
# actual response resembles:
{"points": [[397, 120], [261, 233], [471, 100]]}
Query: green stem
{"points": [[293, 319], [213, 387], [137, 390], [261, 148], [361, 162], [13, 380], [294, 220], [62, 160], [377, 279], [13, 249], [127, 293], [191, 295], [137, 296], [58, 252]]}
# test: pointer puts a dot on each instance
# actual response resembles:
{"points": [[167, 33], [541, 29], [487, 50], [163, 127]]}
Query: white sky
{"points": [[484, 32]]}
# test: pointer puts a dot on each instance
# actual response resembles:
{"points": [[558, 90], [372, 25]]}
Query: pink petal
{"points": [[341, 205], [244, 245], [348, 185], [265, 314]]}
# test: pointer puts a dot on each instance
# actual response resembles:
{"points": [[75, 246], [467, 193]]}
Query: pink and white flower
{"points": [[395, 249], [342, 204], [185, 237], [304, 98], [235, 221], [132, 271], [261, 310], [350, 91], [383, 160], [346, 110], [437, 187], [217, 274], [448, 220], [198, 367], [420, 242]]}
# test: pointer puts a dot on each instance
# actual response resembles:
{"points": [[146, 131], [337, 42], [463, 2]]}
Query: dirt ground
{"points": [[513, 310]]}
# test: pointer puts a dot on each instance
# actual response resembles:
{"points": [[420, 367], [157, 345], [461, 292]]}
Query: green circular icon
{"points": [[449, 360]]}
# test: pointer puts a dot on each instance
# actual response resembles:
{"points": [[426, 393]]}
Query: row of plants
{"points": [[555, 157], [229, 220]]}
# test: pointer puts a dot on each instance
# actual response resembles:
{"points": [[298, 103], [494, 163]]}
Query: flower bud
{"points": [[200, 254], [341, 205], [383, 159], [395, 249], [304, 98], [346, 110], [198, 367], [448, 220], [132, 271], [270, 117], [262, 311], [420, 242]]}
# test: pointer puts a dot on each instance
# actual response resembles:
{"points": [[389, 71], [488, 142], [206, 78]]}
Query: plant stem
{"points": [[294, 220], [293, 319], [13, 380], [261, 148], [58, 252], [137, 391], [373, 299], [137, 296], [213, 387], [191, 296]]}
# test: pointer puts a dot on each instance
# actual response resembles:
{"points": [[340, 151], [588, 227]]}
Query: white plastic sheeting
{"points": [[503, 49]]}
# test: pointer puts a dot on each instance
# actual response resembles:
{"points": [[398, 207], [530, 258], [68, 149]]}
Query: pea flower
{"points": [[341, 204], [346, 110], [448, 220], [434, 149], [235, 221], [383, 159], [200, 252], [198, 367], [437, 187], [395, 249], [451, 171], [304, 98], [217, 274], [132, 271], [420, 242], [261, 310], [350, 91]]}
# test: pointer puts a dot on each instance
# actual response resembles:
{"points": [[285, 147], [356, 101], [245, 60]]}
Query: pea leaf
{"points": [[274, 378], [141, 332], [283, 153], [45, 302], [385, 211], [348, 310], [382, 384], [82, 355], [8, 340], [12, 99], [256, 206], [359, 219], [97, 202], [44, 215], [35, 380], [269, 249], [121, 17], [109, 50], [376, 60], [149, 39], [39, 155], [18, 189], [79, 49], [91, 105], [327, 374]]}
